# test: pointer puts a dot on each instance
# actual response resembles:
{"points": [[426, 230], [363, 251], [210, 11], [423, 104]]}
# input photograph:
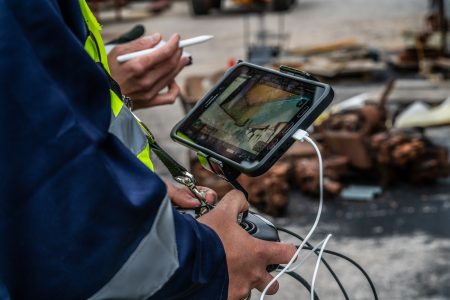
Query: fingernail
{"points": [[153, 38], [195, 201], [176, 36], [213, 195]]}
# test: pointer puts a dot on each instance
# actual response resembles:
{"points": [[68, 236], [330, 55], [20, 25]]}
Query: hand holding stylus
{"points": [[182, 44], [145, 79]]}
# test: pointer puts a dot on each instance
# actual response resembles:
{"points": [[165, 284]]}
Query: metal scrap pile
{"points": [[355, 144], [410, 156], [391, 154], [358, 145]]}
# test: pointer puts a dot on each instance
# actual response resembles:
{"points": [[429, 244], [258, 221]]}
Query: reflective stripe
{"points": [[91, 48], [125, 127], [138, 278], [144, 157], [94, 28], [116, 103]]}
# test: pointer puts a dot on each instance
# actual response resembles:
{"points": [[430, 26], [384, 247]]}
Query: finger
{"points": [[233, 203], [158, 100], [261, 285], [163, 82], [210, 195], [181, 196], [185, 201], [278, 253], [139, 44], [162, 98], [184, 61], [161, 54], [150, 82]]}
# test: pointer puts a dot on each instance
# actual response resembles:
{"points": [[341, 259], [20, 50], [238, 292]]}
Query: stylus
{"points": [[184, 43]]}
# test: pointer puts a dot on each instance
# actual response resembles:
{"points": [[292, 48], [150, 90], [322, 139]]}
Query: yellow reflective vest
{"points": [[123, 124]]}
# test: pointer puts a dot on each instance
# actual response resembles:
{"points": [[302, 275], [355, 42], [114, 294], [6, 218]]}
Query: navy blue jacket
{"points": [[74, 202]]}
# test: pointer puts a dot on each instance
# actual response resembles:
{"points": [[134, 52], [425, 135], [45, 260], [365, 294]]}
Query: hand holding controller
{"points": [[186, 203], [247, 256], [260, 227], [256, 225]]}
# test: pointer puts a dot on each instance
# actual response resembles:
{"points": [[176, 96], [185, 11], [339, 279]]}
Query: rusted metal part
{"points": [[351, 142], [397, 148], [300, 150], [336, 166], [385, 95], [409, 156], [269, 192], [305, 174]]}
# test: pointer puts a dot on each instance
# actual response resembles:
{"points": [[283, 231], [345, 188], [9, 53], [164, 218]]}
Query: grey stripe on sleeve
{"points": [[129, 132], [151, 265]]}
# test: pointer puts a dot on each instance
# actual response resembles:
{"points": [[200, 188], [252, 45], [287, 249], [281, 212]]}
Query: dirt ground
{"points": [[402, 238]]}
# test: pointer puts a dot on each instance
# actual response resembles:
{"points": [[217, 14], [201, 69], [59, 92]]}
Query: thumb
{"points": [[146, 42], [278, 253], [233, 203]]}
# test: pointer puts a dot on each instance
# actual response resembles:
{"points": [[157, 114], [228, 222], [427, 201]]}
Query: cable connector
{"points": [[300, 135]]}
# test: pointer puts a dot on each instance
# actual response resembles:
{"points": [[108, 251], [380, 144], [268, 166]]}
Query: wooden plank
{"points": [[328, 47], [408, 91]]}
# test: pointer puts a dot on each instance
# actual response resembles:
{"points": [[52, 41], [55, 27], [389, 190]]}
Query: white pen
{"points": [[184, 43]]}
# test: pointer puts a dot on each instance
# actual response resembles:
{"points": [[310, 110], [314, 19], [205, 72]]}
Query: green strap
{"points": [[171, 164]]}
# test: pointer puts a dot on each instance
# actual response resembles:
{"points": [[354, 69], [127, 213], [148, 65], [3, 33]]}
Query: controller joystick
{"points": [[254, 224], [260, 227]]}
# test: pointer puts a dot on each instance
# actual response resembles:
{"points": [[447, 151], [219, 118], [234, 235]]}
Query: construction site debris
{"points": [[355, 144], [356, 137], [270, 191], [420, 114], [360, 192], [343, 58]]}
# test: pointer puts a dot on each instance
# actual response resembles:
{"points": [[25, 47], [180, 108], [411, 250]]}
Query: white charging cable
{"points": [[302, 135], [316, 268], [322, 242]]}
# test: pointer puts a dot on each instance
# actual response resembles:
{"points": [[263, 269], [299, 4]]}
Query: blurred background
{"points": [[385, 138]]}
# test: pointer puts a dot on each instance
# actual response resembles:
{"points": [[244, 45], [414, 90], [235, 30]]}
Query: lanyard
{"points": [[178, 172]]}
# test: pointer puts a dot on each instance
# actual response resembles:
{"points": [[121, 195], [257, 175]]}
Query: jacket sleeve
{"points": [[79, 214]]}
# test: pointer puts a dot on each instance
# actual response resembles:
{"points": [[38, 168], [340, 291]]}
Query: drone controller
{"points": [[259, 227], [256, 225]]}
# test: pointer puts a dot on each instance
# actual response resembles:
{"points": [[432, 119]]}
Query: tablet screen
{"points": [[250, 113]]}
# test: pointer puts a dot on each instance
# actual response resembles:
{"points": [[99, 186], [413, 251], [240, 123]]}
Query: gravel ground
{"points": [[402, 238], [378, 23]]}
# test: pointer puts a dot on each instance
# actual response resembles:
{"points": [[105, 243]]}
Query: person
{"points": [[143, 80], [82, 214]]}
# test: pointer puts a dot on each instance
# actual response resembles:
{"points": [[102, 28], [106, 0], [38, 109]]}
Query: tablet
{"points": [[246, 121]]}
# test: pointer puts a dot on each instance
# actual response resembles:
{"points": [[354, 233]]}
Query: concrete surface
{"points": [[402, 238]]}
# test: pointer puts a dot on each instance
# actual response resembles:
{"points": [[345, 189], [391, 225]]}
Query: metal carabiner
{"points": [[188, 180]]}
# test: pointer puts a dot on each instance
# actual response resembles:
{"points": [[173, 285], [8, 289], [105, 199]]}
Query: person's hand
{"points": [[247, 257], [143, 78], [184, 198]]}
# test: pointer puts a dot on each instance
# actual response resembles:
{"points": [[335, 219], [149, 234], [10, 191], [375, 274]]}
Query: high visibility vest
{"points": [[123, 124]]}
